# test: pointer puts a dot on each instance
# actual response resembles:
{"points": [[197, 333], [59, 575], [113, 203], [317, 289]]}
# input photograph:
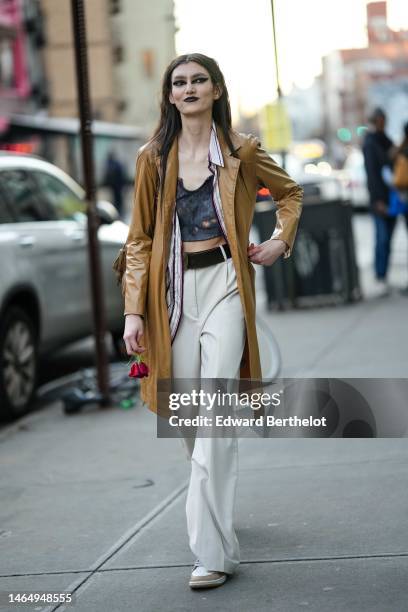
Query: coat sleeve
{"points": [[286, 193], [140, 236]]}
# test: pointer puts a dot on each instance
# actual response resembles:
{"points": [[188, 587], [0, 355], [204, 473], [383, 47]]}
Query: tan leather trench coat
{"points": [[147, 245]]}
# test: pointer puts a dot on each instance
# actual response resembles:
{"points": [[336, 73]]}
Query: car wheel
{"points": [[18, 362]]}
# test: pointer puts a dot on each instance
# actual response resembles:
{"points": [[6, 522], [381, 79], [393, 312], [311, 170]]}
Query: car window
{"points": [[23, 197], [64, 202], [5, 214]]}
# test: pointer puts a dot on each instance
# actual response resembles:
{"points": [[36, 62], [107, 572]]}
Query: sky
{"points": [[238, 34]]}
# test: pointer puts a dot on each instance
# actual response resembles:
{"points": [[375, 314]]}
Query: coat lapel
{"points": [[227, 183], [170, 188]]}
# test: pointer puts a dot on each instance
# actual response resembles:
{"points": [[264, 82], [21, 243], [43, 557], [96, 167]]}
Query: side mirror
{"points": [[107, 213]]}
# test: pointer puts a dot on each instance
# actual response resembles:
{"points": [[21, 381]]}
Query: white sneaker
{"points": [[203, 578], [380, 288]]}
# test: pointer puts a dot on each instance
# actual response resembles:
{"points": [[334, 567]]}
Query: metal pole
{"points": [[278, 88], [84, 107]]}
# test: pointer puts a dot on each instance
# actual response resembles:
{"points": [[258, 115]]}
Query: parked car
{"points": [[45, 298], [320, 182], [318, 188]]}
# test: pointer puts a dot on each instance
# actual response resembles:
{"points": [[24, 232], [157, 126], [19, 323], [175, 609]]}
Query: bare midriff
{"points": [[203, 245]]}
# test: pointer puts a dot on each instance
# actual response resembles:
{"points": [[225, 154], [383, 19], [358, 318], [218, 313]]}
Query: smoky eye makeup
{"points": [[178, 82]]}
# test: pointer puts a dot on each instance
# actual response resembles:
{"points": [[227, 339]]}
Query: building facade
{"points": [[60, 61], [356, 80], [130, 42], [144, 44], [23, 86]]}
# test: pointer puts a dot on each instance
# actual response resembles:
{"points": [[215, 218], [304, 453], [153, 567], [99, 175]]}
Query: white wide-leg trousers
{"points": [[209, 344]]}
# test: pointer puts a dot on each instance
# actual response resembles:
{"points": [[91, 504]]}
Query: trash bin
{"points": [[322, 268]]}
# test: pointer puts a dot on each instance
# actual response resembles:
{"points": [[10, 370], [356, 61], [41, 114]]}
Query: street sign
{"points": [[275, 127]]}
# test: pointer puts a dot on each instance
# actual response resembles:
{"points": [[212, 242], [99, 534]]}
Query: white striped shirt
{"points": [[175, 266]]}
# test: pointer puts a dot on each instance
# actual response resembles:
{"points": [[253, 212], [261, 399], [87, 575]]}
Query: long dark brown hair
{"points": [[169, 125]]}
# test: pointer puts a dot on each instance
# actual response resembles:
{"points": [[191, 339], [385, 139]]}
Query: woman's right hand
{"points": [[133, 334]]}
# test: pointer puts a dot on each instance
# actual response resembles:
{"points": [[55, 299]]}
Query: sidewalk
{"points": [[368, 339], [364, 340], [96, 503]]}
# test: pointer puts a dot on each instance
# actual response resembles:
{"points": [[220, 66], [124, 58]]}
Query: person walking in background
{"points": [[115, 179], [378, 150]]}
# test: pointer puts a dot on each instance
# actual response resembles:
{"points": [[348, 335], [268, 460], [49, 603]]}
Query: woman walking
{"points": [[189, 280]]}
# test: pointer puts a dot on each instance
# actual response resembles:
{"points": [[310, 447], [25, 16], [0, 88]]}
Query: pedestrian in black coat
{"points": [[378, 151]]}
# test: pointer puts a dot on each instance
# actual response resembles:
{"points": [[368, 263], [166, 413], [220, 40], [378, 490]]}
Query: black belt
{"points": [[202, 259]]}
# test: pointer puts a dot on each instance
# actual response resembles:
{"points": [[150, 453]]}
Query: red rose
{"points": [[139, 368], [143, 369], [135, 371]]}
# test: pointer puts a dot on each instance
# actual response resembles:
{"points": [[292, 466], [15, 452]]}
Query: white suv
{"points": [[45, 299]]}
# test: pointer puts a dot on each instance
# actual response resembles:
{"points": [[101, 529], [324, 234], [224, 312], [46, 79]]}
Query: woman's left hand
{"points": [[267, 252]]}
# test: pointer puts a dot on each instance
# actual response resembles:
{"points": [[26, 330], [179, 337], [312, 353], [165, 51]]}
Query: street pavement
{"points": [[95, 503]]}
